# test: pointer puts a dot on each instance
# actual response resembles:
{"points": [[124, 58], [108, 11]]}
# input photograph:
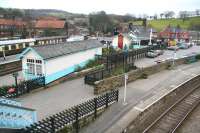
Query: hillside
{"points": [[35, 13], [192, 23]]}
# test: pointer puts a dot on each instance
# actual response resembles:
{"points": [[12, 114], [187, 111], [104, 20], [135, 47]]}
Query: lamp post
{"points": [[125, 88], [125, 74], [174, 56]]}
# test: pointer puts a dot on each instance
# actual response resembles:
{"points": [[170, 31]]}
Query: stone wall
{"points": [[117, 81], [11, 67], [145, 118]]}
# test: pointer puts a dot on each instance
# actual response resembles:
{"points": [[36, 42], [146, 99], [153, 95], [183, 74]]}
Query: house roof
{"points": [[12, 22], [50, 24], [52, 51]]}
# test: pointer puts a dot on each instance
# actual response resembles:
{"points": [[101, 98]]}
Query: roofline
{"points": [[69, 53], [27, 50]]}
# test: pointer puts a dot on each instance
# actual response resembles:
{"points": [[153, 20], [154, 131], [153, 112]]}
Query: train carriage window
{"points": [[13, 47], [27, 44], [20, 46], [6, 47]]}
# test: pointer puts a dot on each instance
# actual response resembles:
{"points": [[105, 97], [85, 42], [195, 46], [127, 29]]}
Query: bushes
{"points": [[198, 57], [4, 89], [144, 76]]}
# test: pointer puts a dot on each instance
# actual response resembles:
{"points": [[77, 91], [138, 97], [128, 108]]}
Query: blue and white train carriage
{"points": [[56, 61]]}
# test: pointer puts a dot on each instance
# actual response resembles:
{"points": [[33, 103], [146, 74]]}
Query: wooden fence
{"points": [[73, 115]]}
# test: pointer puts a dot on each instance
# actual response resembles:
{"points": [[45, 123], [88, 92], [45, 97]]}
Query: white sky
{"points": [[136, 7]]}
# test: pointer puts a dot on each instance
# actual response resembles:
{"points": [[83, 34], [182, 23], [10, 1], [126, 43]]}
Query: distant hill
{"points": [[192, 23], [35, 13], [51, 12]]}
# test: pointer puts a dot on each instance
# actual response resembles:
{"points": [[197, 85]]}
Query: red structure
{"points": [[174, 33], [120, 41]]}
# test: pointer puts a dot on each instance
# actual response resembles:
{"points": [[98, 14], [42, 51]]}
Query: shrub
{"points": [[198, 57], [144, 76]]}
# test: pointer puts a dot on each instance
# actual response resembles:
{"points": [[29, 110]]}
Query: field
{"points": [[160, 24]]}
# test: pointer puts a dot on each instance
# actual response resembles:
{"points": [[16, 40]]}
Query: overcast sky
{"points": [[136, 7]]}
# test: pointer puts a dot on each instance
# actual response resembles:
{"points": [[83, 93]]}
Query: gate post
{"points": [[52, 125], [95, 108], [77, 122], [107, 100]]}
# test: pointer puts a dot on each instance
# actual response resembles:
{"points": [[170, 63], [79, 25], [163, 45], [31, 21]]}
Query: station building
{"points": [[56, 61]]}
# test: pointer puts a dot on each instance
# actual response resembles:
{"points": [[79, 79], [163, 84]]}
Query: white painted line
{"points": [[139, 109]]}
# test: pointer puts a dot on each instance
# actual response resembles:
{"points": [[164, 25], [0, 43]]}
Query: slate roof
{"points": [[52, 51]]}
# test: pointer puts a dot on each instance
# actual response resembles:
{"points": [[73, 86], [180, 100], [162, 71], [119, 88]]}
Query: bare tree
{"points": [[161, 15], [197, 12], [183, 15]]}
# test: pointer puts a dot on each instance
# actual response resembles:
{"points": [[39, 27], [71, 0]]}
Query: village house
{"points": [[11, 27], [56, 61], [50, 26]]}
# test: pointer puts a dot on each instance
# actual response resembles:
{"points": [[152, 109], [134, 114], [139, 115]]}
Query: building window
{"points": [[38, 61], [30, 60], [39, 70], [31, 68]]}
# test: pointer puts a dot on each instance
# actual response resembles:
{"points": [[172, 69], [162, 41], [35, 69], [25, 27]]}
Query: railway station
{"points": [[116, 70]]}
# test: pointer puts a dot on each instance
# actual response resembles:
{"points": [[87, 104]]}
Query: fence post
{"points": [[52, 125], [107, 100], [102, 75], [117, 95], [95, 108], [77, 122], [28, 87]]}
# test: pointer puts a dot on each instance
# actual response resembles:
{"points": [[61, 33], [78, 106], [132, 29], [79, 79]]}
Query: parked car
{"points": [[183, 45], [151, 54], [154, 53], [175, 48], [160, 52]]}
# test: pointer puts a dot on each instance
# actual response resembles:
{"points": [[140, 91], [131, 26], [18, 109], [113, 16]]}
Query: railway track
{"points": [[172, 118]]}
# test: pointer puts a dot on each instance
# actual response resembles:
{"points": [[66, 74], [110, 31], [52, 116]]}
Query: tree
{"points": [[183, 15], [161, 15], [197, 12], [155, 17], [171, 14], [100, 22]]}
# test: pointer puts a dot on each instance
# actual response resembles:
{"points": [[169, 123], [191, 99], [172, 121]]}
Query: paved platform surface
{"points": [[57, 98], [10, 58], [9, 79], [118, 116]]}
